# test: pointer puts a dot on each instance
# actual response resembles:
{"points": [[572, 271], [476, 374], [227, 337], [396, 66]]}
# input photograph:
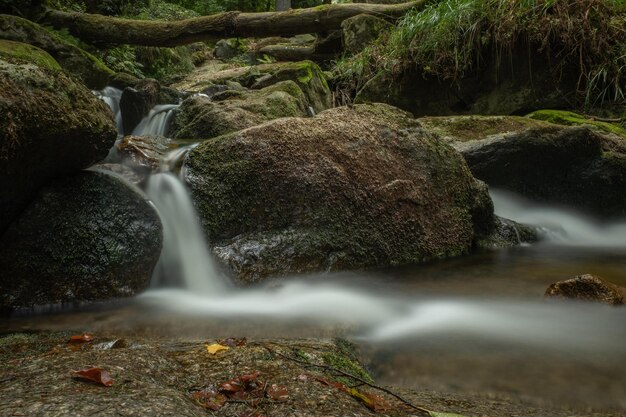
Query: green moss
{"points": [[27, 53], [347, 365], [569, 118], [466, 128]]}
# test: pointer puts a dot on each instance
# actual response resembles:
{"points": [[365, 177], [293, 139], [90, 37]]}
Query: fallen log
{"points": [[113, 30]]}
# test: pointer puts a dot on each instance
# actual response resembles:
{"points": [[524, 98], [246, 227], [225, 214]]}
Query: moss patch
{"points": [[569, 118], [466, 128], [22, 52]]}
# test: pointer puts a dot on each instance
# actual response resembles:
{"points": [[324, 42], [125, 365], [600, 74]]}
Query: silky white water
{"points": [[112, 96], [563, 226], [157, 121]]}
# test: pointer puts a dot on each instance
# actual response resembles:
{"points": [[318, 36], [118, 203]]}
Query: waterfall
{"points": [[112, 96], [185, 259], [157, 121]]}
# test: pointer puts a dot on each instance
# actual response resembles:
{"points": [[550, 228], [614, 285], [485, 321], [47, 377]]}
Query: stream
{"points": [[473, 324]]}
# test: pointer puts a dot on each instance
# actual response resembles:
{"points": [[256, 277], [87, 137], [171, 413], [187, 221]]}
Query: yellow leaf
{"points": [[215, 347]]}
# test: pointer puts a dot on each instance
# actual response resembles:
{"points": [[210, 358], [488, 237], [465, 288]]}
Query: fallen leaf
{"points": [[97, 375], [210, 399], [233, 342], [372, 401], [241, 383], [215, 347], [277, 393], [81, 338]]}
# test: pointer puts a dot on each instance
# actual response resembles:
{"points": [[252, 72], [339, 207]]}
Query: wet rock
{"points": [[145, 151], [589, 288], [50, 126], [573, 166], [86, 237], [203, 118], [359, 31], [351, 188], [72, 59], [508, 233], [136, 103]]}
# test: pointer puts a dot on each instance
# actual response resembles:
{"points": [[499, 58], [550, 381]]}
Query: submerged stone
{"points": [[588, 288], [350, 188], [86, 237]]}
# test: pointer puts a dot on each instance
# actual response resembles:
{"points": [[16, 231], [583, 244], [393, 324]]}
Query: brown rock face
{"points": [[589, 288], [348, 189]]}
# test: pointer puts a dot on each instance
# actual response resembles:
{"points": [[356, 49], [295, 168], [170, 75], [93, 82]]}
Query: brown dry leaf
{"points": [[81, 338], [233, 342], [209, 398], [97, 375], [215, 347], [277, 393], [241, 383]]}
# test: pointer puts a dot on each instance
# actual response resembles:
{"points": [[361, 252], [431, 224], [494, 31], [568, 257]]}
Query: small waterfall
{"points": [[185, 259], [157, 121], [562, 226], [112, 96]]}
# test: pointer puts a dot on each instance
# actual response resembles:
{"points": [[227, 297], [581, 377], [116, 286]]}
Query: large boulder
{"points": [[351, 188], [50, 125], [200, 117], [85, 237], [587, 288], [574, 166], [75, 61]]}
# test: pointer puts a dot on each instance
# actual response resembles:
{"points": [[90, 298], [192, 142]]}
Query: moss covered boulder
{"points": [[574, 166], [568, 118], [50, 125], [306, 74], [200, 117], [74, 60], [86, 237], [351, 188]]}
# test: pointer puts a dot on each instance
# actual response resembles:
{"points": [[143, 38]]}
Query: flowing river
{"points": [[477, 323]]}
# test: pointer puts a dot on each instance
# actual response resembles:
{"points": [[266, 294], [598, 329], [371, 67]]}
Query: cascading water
{"points": [[112, 96], [157, 121], [562, 226], [185, 259]]}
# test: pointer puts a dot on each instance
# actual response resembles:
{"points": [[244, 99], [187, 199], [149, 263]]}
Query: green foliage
{"points": [[451, 38], [123, 59], [67, 5]]}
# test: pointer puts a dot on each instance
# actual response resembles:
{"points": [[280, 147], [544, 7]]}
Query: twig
{"points": [[349, 375]]}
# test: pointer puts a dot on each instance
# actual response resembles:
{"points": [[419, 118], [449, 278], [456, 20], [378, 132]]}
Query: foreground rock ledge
{"points": [[351, 188]]}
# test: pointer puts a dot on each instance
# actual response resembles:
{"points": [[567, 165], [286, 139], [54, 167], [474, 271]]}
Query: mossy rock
{"points": [[575, 166], [50, 126], [569, 118], [229, 111], [71, 58], [86, 237], [25, 53], [350, 188], [467, 128], [309, 77]]}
